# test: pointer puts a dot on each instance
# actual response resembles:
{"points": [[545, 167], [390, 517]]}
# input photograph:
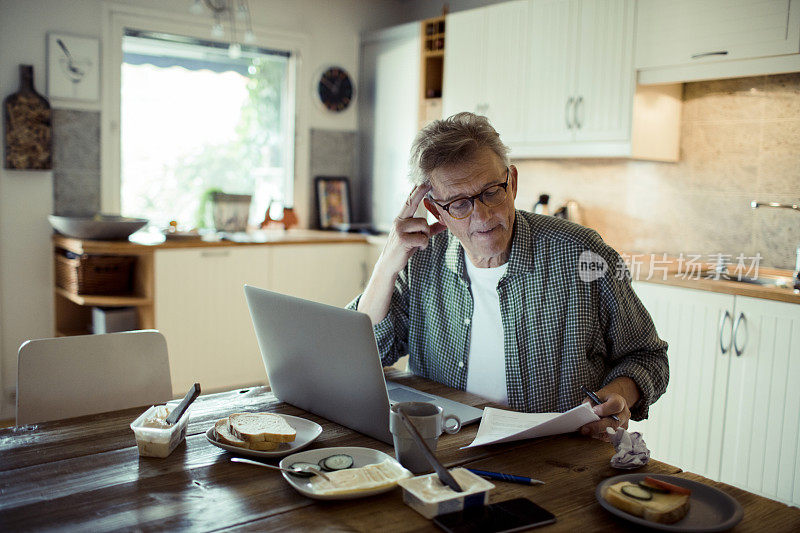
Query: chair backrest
{"points": [[66, 377]]}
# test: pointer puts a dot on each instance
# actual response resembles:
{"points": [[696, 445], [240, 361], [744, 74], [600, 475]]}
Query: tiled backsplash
{"points": [[76, 162], [740, 141], [333, 153]]}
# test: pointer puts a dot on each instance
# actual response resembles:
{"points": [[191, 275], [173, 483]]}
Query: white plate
{"points": [[361, 457], [307, 432]]}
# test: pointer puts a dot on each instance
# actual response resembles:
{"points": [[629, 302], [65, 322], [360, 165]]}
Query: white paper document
{"points": [[499, 425]]}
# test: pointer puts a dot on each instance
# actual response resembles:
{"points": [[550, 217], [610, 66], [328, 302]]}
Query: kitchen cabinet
{"points": [[730, 411], [555, 77], [687, 420], [332, 274], [485, 65], [193, 293], [706, 39], [201, 309], [762, 430]]}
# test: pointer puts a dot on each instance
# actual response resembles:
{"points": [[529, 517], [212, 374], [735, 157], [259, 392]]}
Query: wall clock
{"points": [[335, 89]]}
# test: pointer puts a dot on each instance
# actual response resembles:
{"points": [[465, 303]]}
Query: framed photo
{"points": [[73, 67], [333, 201]]}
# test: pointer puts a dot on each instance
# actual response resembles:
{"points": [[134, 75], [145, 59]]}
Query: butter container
{"points": [[155, 441], [430, 497]]}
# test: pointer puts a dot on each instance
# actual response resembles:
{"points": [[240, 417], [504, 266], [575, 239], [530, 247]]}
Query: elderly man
{"points": [[491, 300]]}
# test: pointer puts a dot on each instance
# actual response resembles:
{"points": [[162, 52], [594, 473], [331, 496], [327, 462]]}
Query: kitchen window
{"points": [[196, 120]]}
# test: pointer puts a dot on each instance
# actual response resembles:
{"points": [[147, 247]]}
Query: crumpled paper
{"points": [[631, 449]]}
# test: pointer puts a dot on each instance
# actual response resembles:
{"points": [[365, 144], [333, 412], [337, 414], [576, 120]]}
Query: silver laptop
{"points": [[324, 359]]}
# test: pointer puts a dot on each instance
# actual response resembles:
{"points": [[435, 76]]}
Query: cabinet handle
{"points": [[566, 112], [578, 104], [706, 54], [739, 319], [724, 349], [215, 253]]}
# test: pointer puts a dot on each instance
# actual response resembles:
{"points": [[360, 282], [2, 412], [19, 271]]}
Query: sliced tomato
{"points": [[667, 486]]}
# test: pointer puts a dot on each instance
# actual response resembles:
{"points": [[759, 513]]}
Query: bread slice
{"points": [[224, 435], [222, 429], [663, 508], [258, 427]]}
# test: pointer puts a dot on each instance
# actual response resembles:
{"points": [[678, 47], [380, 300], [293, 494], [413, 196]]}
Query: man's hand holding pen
{"points": [[616, 397]]}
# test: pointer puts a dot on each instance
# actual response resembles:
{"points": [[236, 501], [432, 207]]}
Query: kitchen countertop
{"points": [[143, 244], [645, 267], [656, 268]]}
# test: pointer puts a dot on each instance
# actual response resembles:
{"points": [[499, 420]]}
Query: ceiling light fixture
{"points": [[232, 10]]}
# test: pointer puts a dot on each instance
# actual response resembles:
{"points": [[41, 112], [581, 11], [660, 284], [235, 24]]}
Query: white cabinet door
{"points": [[685, 425], [551, 71], [505, 64], [333, 274], [713, 31], [463, 85], [606, 79], [762, 431], [201, 310]]}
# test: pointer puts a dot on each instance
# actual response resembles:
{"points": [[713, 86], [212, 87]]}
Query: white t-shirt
{"points": [[486, 371]]}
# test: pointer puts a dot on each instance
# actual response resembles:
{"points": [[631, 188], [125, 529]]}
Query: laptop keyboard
{"points": [[405, 395]]}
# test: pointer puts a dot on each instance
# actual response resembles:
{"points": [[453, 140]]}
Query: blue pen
{"points": [[506, 477]]}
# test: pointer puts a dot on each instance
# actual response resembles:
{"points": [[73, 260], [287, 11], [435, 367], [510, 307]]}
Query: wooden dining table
{"points": [[86, 474]]}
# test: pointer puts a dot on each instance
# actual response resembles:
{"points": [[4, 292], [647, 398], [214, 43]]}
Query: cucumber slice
{"points": [[336, 462], [302, 474], [645, 485], [638, 492]]}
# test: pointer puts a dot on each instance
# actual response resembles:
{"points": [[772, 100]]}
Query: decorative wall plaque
{"points": [[28, 126]]}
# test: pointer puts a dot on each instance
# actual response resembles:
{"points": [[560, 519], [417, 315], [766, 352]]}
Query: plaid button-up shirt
{"points": [[562, 328]]}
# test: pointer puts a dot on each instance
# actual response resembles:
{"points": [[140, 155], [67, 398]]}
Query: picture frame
{"points": [[73, 67], [333, 201]]}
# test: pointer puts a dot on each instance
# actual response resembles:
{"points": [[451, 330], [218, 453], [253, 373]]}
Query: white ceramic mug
{"points": [[429, 421]]}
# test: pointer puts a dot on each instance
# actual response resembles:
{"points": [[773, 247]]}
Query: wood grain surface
{"points": [[85, 473]]}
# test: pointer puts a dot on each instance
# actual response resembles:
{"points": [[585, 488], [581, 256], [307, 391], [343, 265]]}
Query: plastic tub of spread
{"points": [[154, 437], [430, 497]]}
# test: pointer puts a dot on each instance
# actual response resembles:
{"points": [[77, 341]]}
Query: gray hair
{"points": [[452, 141]]}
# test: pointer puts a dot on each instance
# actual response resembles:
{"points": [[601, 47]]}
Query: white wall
{"points": [[26, 197]]}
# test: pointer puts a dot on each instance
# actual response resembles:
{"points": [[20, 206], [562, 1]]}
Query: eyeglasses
{"points": [[491, 196]]}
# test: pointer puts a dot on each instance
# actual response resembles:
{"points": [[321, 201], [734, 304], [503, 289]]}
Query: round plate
{"points": [[361, 457], [307, 432], [710, 509]]}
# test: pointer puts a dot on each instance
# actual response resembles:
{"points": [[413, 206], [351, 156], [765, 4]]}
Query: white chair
{"points": [[87, 374]]}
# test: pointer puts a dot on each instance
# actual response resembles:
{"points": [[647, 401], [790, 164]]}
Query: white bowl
{"points": [[98, 227]]}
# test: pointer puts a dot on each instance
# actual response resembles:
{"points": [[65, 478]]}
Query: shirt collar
{"points": [[521, 257]]}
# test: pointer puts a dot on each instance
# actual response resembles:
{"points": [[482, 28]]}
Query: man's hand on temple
{"points": [[408, 233]]}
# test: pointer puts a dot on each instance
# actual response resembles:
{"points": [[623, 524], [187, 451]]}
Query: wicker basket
{"points": [[95, 274]]}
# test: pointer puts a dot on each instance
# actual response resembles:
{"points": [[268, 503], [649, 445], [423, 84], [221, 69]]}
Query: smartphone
{"points": [[503, 517]]}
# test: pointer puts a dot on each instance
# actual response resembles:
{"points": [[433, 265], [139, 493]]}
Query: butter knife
{"points": [[445, 476], [191, 396]]}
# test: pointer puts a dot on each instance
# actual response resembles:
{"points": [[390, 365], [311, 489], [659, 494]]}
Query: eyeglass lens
{"points": [[491, 197]]}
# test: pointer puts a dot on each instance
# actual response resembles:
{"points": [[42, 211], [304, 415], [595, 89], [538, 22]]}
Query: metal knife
{"points": [[176, 413], [445, 476]]}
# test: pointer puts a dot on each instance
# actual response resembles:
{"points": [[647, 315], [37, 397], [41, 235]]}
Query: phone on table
{"points": [[518, 514]]}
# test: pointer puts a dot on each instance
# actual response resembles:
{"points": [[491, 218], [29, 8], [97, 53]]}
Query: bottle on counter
{"points": [[542, 207]]}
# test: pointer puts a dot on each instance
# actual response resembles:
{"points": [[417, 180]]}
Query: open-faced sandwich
{"points": [[254, 431], [651, 499]]}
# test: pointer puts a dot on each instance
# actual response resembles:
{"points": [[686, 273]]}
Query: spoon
{"points": [[295, 470]]}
